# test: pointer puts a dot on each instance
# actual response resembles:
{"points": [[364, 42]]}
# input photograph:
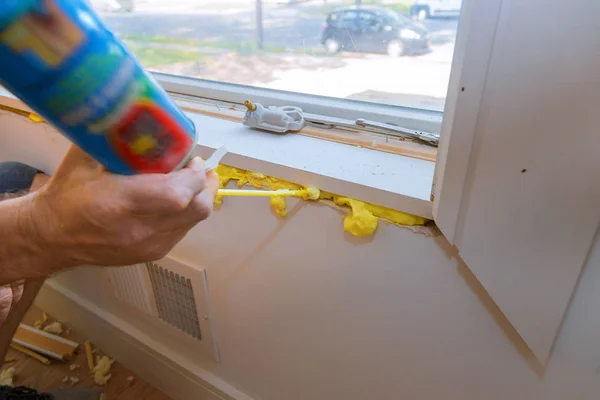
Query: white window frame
{"points": [[470, 65], [337, 108]]}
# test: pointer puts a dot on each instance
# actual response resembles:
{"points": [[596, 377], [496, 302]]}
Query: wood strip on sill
{"points": [[367, 140]]}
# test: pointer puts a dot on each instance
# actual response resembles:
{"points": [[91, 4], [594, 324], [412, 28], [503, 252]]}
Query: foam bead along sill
{"points": [[362, 219]]}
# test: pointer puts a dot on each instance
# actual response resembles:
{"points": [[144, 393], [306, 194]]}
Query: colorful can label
{"points": [[62, 61]]}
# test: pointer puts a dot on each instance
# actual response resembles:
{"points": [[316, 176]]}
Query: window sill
{"points": [[389, 180]]}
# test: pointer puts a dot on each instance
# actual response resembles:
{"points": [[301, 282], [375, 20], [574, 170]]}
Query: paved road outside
{"points": [[202, 34]]}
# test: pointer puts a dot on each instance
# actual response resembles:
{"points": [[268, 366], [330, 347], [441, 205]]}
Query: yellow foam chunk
{"points": [[255, 179], [7, 376], [312, 193], [361, 221], [102, 370], [278, 204]]}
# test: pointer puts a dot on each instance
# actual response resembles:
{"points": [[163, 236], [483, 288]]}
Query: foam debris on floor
{"points": [[31, 342], [39, 324], [55, 328], [118, 382], [7, 376], [102, 370]]}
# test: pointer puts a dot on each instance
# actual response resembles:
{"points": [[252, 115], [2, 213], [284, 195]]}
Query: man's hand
{"points": [[87, 216]]}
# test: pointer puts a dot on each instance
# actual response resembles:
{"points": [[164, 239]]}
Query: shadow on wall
{"points": [[266, 242], [503, 323], [282, 222]]}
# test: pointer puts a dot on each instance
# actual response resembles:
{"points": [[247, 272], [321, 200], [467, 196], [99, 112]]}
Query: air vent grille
{"points": [[170, 297], [128, 285], [175, 301]]}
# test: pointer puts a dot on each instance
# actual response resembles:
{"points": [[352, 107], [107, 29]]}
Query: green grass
{"points": [[401, 7], [239, 47], [156, 56], [163, 39]]}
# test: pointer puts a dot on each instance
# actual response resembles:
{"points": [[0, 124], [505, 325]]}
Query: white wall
{"points": [[305, 311], [510, 178]]}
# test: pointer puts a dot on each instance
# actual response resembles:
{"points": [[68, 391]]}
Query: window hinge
{"points": [[328, 122], [432, 139]]}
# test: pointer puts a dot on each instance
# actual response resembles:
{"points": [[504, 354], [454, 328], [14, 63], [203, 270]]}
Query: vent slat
{"points": [[175, 300], [128, 287]]}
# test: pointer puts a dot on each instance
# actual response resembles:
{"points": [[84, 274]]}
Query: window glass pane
{"points": [[382, 51]]}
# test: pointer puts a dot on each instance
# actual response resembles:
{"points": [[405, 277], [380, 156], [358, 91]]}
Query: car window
{"points": [[333, 18], [369, 21], [350, 19], [366, 18], [392, 17]]}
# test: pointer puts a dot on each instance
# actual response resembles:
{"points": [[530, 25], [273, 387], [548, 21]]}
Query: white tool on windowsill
{"points": [[274, 119]]}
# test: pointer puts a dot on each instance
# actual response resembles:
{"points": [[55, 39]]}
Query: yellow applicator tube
{"points": [[276, 197], [260, 193], [308, 193]]}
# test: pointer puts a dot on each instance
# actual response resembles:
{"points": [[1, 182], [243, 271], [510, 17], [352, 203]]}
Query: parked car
{"points": [[435, 8], [371, 29]]}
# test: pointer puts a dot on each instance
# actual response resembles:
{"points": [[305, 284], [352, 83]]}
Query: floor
{"points": [[123, 384]]}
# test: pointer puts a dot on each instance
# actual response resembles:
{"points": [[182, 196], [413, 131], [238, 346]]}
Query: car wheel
{"points": [[333, 46], [423, 14], [395, 48]]}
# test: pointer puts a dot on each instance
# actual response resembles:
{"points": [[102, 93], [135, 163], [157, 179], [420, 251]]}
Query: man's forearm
{"points": [[22, 253]]}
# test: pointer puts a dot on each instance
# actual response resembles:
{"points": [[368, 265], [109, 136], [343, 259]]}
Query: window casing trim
{"points": [[411, 118], [389, 180]]}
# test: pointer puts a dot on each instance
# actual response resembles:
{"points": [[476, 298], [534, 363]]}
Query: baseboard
{"points": [[173, 377]]}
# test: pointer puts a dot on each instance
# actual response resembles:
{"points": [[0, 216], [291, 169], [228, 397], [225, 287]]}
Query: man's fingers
{"points": [[169, 193], [9, 297], [202, 205], [212, 183], [17, 289], [192, 178], [6, 301], [198, 210]]}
